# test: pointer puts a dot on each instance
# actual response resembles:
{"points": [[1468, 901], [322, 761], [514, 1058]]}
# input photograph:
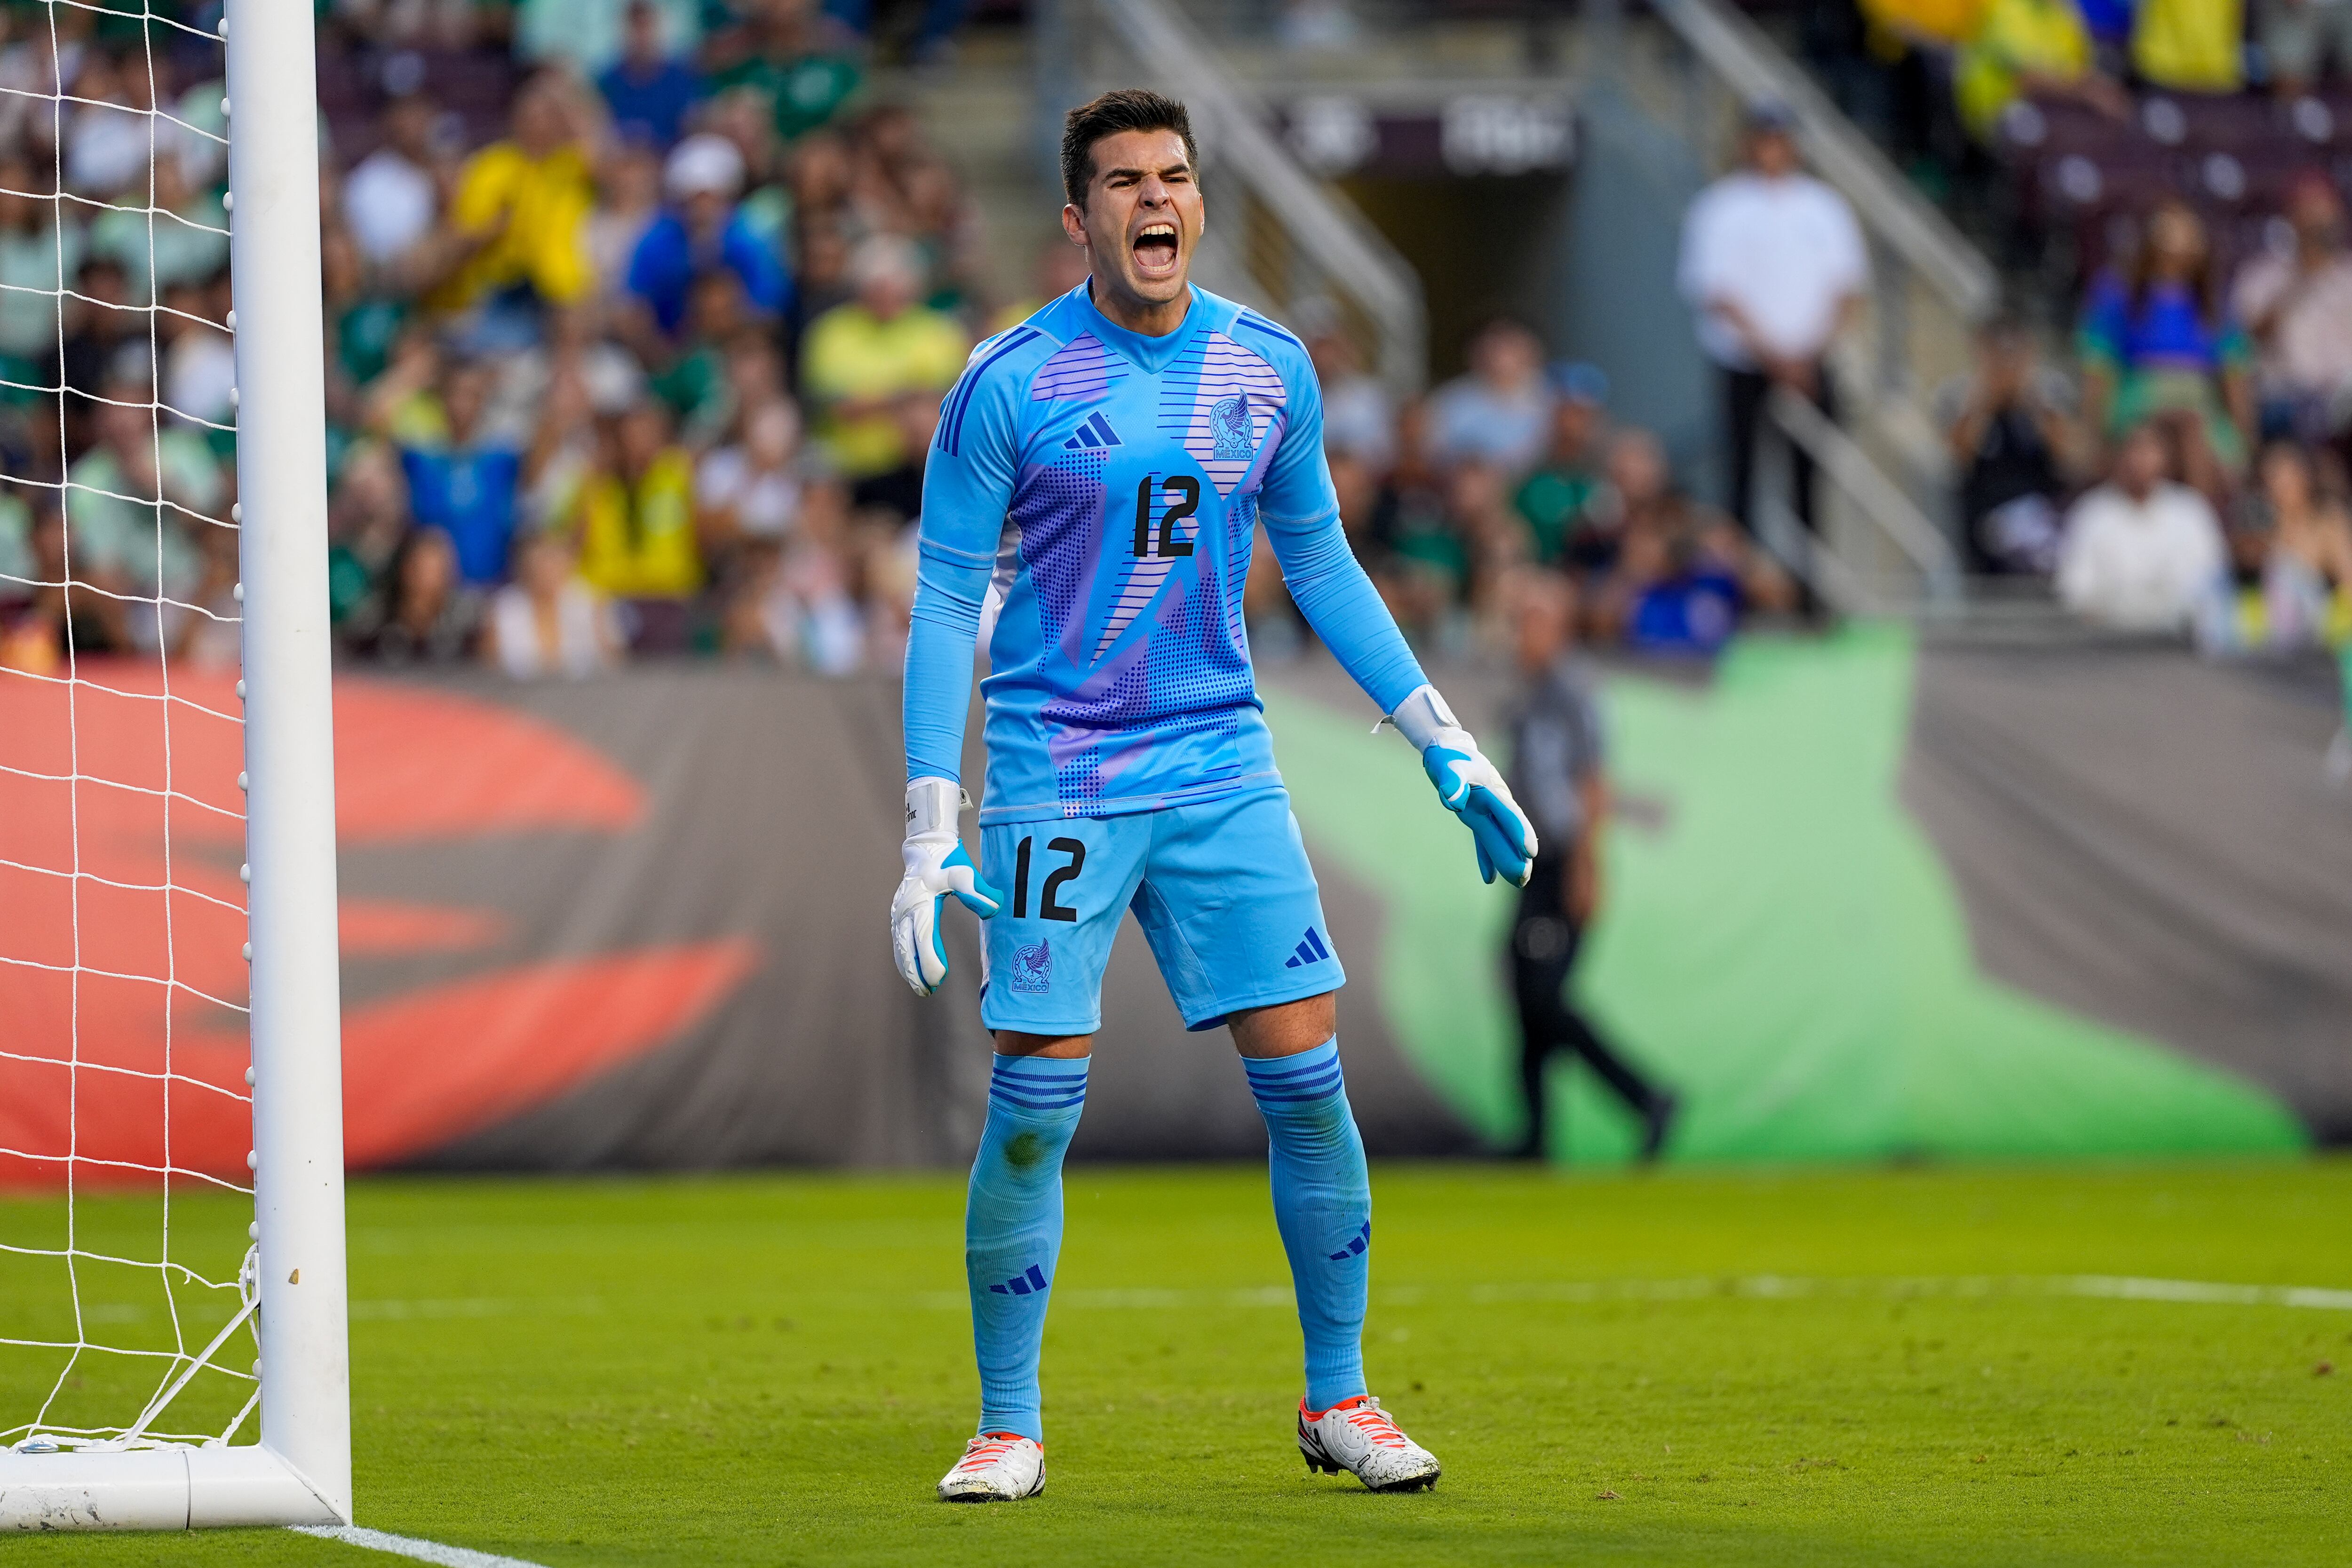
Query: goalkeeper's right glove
{"points": [[936, 866], [1471, 787]]}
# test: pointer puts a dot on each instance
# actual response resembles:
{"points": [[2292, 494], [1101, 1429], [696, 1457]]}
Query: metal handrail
{"points": [[1738, 52], [1230, 122], [1878, 497]]}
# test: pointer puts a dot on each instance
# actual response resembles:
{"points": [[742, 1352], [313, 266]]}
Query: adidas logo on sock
{"points": [[1030, 1282], [1356, 1245], [1310, 949], [1094, 432]]}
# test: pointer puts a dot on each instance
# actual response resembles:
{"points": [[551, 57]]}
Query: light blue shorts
{"points": [[1222, 891]]}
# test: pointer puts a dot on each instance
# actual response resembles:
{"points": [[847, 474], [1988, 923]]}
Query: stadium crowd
{"points": [[2182, 464]]}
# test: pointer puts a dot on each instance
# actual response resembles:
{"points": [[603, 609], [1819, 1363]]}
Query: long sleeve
{"points": [[966, 487]]}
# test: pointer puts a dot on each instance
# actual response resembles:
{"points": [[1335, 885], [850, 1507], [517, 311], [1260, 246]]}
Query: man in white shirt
{"points": [[1774, 267], [2141, 553], [391, 200], [2297, 305]]}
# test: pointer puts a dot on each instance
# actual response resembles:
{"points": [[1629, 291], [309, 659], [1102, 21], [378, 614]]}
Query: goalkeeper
{"points": [[1097, 478]]}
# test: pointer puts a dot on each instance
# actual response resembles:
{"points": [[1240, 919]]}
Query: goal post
{"points": [[293, 1291]]}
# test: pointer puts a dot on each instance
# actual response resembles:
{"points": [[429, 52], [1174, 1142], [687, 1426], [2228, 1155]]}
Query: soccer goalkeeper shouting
{"points": [[1100, 469]]}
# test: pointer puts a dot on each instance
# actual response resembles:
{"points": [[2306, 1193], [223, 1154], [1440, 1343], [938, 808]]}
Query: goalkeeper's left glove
{"points": [[1470, 786], [936, 866]]}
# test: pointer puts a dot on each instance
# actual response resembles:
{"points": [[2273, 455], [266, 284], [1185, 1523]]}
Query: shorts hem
{"points": [[1032, 1026], [1224, 1007]]}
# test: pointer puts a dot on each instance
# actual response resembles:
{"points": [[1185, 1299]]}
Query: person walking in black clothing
{"points": [[1556, 773]]}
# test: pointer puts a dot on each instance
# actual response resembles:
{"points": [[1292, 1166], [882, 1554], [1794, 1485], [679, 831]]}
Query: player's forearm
{"points": [[942, 626], [1345, 610]]}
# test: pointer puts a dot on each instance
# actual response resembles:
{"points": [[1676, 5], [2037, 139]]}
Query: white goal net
{"points": [[133, 1316]]}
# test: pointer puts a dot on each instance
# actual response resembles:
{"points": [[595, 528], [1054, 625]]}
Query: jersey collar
{"points": [[1153, 354]]}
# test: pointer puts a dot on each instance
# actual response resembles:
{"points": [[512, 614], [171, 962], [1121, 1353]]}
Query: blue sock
{"points": [[1012, 1230], [1323, 1203]]}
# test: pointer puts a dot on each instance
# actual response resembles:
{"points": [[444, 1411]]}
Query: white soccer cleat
{"points": [[996, 1466], [1356, 1436]]}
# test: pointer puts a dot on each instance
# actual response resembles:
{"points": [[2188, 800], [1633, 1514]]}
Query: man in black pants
{"points": [[1556, 773]]}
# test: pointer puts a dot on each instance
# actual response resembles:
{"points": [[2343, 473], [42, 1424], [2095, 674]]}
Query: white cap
{"points": [[703, 163]]}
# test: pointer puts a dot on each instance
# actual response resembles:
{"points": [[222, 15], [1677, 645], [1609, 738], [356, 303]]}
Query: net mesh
{"points": [[125, 1311]]}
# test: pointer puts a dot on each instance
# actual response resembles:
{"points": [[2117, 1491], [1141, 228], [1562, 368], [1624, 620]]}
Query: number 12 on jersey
{"points": [[1184, 498]]}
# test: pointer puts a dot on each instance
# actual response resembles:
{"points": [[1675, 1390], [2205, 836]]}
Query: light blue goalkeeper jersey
{"points": [[1104, 489]]}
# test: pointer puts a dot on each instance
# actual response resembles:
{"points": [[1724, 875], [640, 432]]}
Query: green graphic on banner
{"points": [[1782, 943]]}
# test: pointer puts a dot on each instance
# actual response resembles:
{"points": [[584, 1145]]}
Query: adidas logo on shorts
{"points": [[1310, 949]]}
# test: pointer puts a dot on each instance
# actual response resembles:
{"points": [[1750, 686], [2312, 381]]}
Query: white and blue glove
{"points": [[1470, 786], [936, 866]]}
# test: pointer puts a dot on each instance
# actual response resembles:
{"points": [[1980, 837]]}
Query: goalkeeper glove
{"points": [[1470, 785], [936, 866]]}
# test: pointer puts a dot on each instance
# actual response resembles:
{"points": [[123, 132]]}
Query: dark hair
{"points": [[1124, 109]]}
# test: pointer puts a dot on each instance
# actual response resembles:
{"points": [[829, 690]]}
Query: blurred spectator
{"points": [[2297, 306], [206, 631], [2188, 45], [897, 493], [62, 616], [648, 90], [1682, 573], [1062, 266], [2141, 553], [777, 51], [2008, 427], [392, 201], [587, 37], [634, 518], [104, 336], [1774, 266], [1557, 773], [132, 503], [35, 260], [1501, 411], [463, 485], [108, 139], [702, 231], [198, 359], [1554, 498], [2037, 46], [547, 622], [860, 359], [2298, 36], [428, 617], [798, 604], [367, 518], [2155, 340], [751, 490], [628, 200], [2302, 540], [694, 383], [1420, 564], [181, 238], [1358, 414], [522, 204]]}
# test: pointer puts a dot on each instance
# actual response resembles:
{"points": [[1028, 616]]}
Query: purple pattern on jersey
{"points": [[1058, 509], [1080, 369], [1232, 420]]}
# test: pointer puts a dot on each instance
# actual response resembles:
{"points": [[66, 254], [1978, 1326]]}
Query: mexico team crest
{"points": [[1231, 425], [1033, 967]]}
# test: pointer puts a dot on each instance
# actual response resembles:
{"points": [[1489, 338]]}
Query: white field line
{"points": [[409, 1546], [1753, 1287]]}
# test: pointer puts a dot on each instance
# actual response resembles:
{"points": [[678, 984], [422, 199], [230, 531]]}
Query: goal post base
{"points": [[156, 1488]]}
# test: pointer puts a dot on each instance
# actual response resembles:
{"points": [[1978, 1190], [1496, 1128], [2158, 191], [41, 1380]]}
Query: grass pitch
{"points": [[1907, 1366]]}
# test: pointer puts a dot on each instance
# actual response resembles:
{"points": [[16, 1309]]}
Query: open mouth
{"points": [[1155, 249]]}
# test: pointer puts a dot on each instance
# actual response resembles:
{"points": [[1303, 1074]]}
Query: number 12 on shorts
{"points": [[1049, 905]]}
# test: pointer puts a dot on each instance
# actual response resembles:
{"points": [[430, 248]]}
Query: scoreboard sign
{"points": [[1467, 134]]}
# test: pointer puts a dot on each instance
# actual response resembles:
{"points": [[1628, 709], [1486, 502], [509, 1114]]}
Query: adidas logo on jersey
{"points": [[1027, 1283], [1310, 949], [1094, 432]]}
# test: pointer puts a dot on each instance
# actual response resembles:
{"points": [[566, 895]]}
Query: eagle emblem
{"points": [[1231, 425]]}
